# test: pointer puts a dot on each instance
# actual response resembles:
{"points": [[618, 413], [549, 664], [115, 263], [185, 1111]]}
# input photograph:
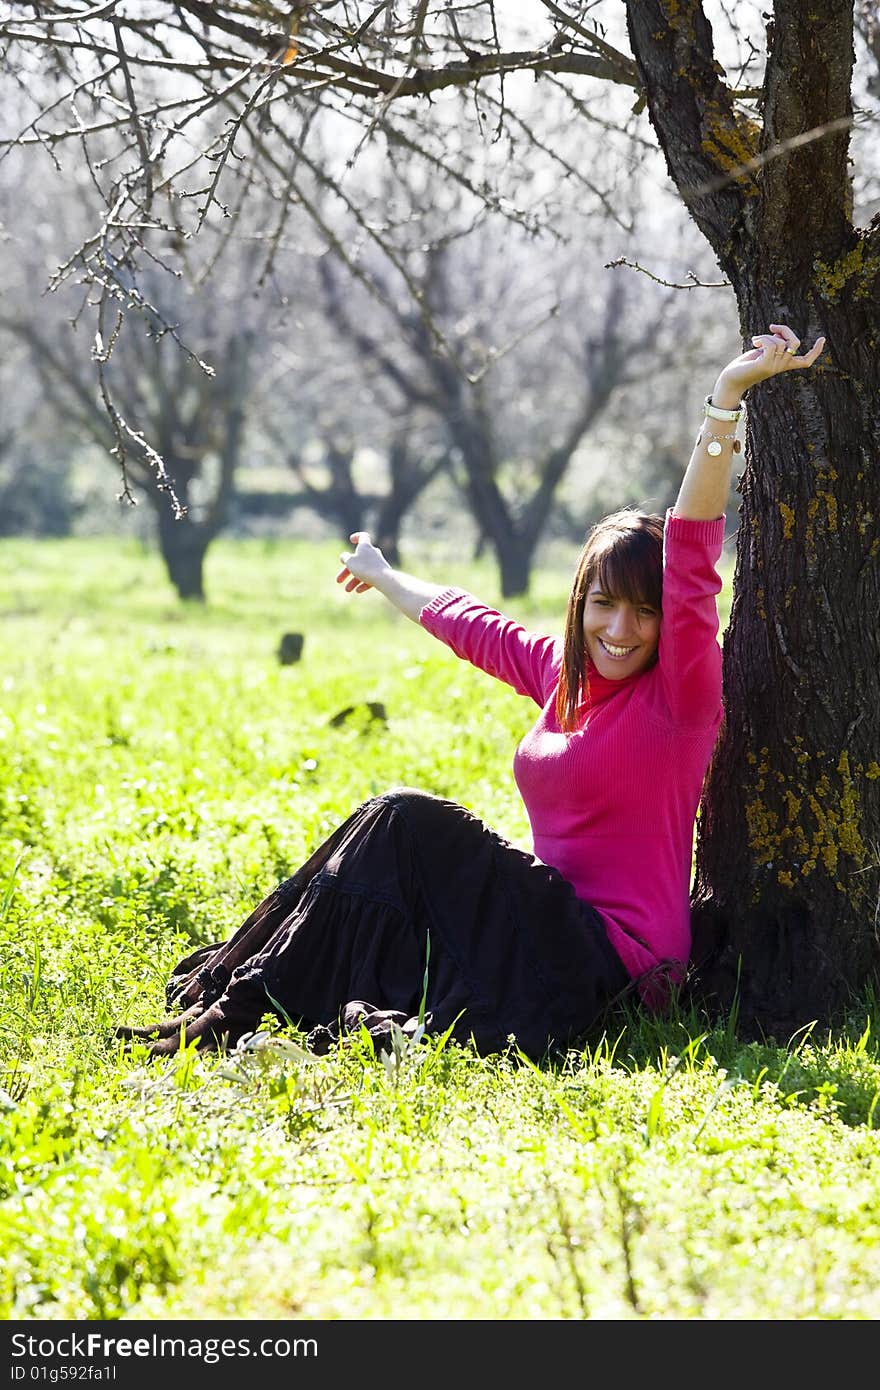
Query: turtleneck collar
{"points": [[600, 688]]}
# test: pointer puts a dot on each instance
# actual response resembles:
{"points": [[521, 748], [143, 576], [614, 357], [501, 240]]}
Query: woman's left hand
{"points": [[774, 352], [363, 566]]}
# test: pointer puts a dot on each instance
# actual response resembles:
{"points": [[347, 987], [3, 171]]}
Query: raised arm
{"points": [[366, 568], [474, 632], [706, 484]]}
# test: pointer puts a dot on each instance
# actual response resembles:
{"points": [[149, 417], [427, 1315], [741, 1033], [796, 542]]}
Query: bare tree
{"points": [[322, 407], [758, 126], [474, 346], [329, 486], [182, 112], [194, 414]]}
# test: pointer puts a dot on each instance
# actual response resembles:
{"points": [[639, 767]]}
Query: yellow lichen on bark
{"points": [[831, 508], [731, 142], [830, 802], [831, 280]]}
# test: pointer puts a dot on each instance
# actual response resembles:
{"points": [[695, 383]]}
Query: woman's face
{"points": [[621, 637]]}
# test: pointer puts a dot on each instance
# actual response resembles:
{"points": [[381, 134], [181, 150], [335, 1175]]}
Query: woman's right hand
{"points": [[363, 566], [773, 353]]}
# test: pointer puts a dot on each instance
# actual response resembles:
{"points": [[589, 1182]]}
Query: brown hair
{"points": [[624, 551]]}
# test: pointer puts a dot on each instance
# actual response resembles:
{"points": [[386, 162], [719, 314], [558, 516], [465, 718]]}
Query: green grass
{"points": [[159, 772]]}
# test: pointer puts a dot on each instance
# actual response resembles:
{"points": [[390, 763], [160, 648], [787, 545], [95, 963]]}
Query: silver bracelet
{"points": [[713, 448]]}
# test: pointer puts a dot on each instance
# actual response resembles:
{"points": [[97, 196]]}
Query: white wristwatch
{"points": [[715, 413]]}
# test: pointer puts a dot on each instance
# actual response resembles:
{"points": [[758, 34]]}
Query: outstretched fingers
{"points": [[790, 343], [353, 585], [809, 358], [776, 345]]}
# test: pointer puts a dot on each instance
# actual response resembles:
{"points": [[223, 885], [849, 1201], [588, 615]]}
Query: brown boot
{"points": [[165, 1028], [215, 1030]]}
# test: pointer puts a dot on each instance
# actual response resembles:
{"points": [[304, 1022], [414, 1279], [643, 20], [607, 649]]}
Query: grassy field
{"points": [[159, 772]]}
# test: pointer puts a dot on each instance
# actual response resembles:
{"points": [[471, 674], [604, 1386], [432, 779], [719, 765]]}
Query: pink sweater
{"points": [[613, 805]]}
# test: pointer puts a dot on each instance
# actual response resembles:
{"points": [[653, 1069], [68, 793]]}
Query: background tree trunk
{"points": [[183, 544], [216, 423]]}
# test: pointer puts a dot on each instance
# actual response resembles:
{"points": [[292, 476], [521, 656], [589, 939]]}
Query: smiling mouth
{"points": [[616, 652]]}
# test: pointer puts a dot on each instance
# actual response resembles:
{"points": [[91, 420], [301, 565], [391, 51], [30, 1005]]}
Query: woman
{"points": [[414, 906]]}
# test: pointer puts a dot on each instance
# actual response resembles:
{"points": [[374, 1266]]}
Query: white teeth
{"points": [[616, 651]]}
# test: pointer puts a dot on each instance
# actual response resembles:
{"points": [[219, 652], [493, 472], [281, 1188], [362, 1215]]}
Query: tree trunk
{"points": [[786, 892], [785, 902], [217, 417], [515, 557], [389, 520], [183, 544], [408, 476], [514, 549]]}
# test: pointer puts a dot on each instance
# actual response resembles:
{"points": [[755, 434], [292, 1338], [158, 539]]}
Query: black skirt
{"points": [[412, 904]]}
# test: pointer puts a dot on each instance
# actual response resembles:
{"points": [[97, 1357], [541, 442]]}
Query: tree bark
{"points": [[785, 900], [787, 858]]}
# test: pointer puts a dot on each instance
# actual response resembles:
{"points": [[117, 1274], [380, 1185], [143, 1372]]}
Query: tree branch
{"points": [[707, 144]]}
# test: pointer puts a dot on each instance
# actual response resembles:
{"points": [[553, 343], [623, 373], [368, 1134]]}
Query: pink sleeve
{"points": [[495, 644], [689, 655]]}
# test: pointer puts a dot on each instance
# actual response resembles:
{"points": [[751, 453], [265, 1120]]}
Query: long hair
{"points": [[624, 552]]}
